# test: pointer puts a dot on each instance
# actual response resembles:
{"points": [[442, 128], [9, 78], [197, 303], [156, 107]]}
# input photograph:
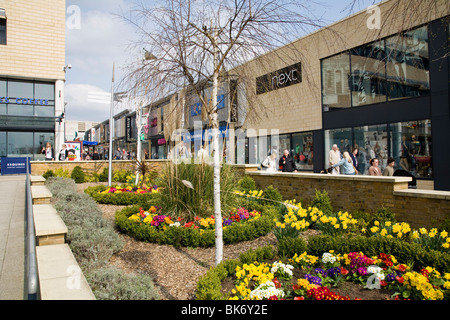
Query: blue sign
{"points": [[196, 109], [15, 166]]}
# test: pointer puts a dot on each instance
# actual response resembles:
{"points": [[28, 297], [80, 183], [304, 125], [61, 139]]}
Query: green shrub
{"points": [[288, 247], [119, 176], [322, 202], [113, 284], [272, 195], [78, 175], [104, 176], [247, 183], [93, 241], [48, 174], [61, 173]]}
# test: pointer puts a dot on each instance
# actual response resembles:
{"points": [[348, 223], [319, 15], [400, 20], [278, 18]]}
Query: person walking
{"points": [[269, 164], [374, 170], [334, 156], [347, 164], [48, 152], [286, 162]]}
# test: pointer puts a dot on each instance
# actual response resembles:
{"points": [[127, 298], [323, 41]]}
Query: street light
{"points": [[147, 56]]}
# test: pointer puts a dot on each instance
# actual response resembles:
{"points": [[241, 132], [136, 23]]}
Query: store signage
{"points": [[279, 79], [196, 109], [41, 102], [15, 165]]}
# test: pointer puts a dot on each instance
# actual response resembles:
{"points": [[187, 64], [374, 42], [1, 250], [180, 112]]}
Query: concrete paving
{"points": [[12, 237]]}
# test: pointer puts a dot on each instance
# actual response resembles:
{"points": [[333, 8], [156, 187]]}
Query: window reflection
{"points": [[393, 68], [20, 144], [19, 89], [335, 82], [408, 64], [368, 74]]}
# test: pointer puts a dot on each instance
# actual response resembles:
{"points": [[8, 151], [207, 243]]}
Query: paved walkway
{"points": [[12, 235]]}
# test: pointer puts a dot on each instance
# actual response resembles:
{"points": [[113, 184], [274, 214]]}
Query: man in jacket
{"points": [[286, 162]]}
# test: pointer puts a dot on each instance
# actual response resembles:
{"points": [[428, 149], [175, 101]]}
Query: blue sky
{"points": [[103, 38]]}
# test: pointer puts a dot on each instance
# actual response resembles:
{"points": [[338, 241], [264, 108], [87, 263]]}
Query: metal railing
{"points": [[30, 238]]}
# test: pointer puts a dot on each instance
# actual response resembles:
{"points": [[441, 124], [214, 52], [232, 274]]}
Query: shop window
{"points": [[335, 82], [302, 145], [20, 144], [2, 89], [20, 89], [411, 142], [408, 64], [342, 138], [45, 91], [20, 110], [2, 27], [368, 74], [3, 144], [371, 142]]}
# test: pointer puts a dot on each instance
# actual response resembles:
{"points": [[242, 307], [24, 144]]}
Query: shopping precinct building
{"points": [[32, 76], [382, 88]]}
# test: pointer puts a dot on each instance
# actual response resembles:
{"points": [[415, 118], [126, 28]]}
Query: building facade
{"points": [[384, 91], [32, 76]]}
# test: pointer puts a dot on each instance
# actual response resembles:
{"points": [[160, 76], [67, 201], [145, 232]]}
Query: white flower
{"points": [[175, 224], [328, 258], [265, 291], [286, 268]]}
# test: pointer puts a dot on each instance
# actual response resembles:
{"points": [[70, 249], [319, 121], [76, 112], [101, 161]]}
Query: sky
{"points": [[97, 37]]}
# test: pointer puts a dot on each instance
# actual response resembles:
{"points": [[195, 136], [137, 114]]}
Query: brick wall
{"points": [[40, 167], [420, 208], [35, 39]]}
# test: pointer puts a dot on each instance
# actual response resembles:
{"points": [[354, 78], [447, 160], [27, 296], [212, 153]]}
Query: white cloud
{"points": [[79, 108], [102, 39]]}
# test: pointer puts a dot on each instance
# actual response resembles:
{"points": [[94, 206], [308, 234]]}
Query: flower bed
{"points": [[122, 195], [309, 277], [153, 226]]}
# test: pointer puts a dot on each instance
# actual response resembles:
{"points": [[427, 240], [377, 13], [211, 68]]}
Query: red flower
{"points": [[273, 297], [402, 267], [299, 298], [400, 279], [383, 283], [196, 218], [276, 283], [344, 271]]}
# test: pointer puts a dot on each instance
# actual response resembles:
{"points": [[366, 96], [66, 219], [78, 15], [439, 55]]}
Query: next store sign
{"points": [[41, 102]]}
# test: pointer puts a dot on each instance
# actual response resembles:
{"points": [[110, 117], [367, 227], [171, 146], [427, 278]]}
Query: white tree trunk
{"points": [[216, 162]]}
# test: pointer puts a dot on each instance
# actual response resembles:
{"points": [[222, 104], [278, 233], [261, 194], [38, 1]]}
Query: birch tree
{"points": [[197, 42]]}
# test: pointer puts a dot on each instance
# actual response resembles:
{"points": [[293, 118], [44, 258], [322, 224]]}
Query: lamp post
{"points": [[111, 128], [147, 57]]}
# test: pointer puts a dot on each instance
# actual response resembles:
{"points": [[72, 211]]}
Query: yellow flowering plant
{"points": [[432, 239], [399, 230]]}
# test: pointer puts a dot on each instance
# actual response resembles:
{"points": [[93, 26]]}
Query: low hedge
{"points": [[189, 237], [118, 199]]}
